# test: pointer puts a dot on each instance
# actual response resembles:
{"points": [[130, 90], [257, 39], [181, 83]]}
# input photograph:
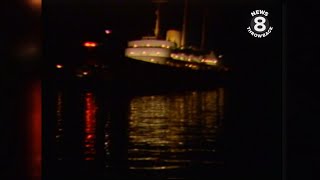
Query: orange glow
{"points": [[34, 118], [59, 66], [90, 44], [90, 127], [34, 4]]}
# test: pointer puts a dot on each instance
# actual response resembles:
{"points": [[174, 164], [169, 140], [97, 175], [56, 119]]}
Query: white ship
{"points": [[171, 51]]}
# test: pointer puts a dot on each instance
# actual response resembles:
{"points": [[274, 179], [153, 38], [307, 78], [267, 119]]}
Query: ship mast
{"points": [[157, 25], [184, 24], [203, 33]]}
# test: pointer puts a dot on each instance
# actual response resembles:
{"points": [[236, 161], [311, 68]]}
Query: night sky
{"points": [[69, 23]]}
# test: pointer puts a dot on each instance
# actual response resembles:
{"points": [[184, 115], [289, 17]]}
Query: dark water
{"points": [[103, 135], [111, 130]]}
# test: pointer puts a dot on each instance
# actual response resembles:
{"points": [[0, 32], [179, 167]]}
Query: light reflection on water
{"points": [[89, 110], [90, 127], [160, 132], [59, 126], [107, 142], [174, 131]]}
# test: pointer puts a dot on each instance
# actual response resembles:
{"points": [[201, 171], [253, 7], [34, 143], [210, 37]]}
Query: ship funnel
{"points": [[174, 36]]}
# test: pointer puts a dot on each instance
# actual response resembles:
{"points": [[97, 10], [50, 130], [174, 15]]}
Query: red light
{"points": [[90, 44], [34, 121], [90, 126]]}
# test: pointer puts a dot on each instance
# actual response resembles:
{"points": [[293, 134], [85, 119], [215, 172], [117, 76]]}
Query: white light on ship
{"points": [[163, 45], [107, 31], [135, 45], [131, 52]]}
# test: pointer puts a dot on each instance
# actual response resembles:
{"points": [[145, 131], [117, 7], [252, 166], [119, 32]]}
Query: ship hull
{"points": [[135, 74]]}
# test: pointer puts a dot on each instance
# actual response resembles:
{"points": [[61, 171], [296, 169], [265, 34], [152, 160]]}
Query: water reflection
{"points": [[107, 144], [174, 131], [90, 126], [59, 126], [112, 136], [35, 139]]}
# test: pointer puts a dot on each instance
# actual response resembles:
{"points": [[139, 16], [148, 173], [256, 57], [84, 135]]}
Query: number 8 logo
{"points": [[259, 26]]}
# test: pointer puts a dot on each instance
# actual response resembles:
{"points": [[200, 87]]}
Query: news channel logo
{"points": [[260, 25]]}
